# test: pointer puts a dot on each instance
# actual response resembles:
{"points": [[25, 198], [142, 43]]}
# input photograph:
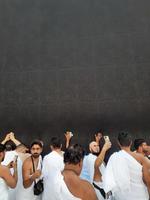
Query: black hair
{"points": [[67, 130], [2, 148], [99, 131], [55, 142], [74, 154], [124, 139], [10, 145], [36, 142], [138, 142]]}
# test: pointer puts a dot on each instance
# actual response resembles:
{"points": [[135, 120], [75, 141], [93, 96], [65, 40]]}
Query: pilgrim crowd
{"points": [[73, 174]]}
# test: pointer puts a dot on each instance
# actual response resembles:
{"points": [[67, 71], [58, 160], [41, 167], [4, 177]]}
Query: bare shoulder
{"points": [[141, 158], [24, 156], [145, 162], [27, 163], [88, 190], [86, 185], [85, 190], [78, 187]]}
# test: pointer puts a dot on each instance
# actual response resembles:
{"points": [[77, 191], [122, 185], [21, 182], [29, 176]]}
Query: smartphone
{"points": [[106, 138], [71, 134]]}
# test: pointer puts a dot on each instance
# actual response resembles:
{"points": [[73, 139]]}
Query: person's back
{"points": [[54, 161], [125, 172], [69, 186], [77, 189], [52, 165], [128, 176], [136, 178]]}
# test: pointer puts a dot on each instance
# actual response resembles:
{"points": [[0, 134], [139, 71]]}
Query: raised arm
{"points": [[11, 180], [13, 139], [7, 138], [68, 136], [99, 161]]}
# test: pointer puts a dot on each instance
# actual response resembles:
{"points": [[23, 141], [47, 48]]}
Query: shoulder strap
{"points": [[33, 164], [41, 163], [100, 190], [33, 167]]}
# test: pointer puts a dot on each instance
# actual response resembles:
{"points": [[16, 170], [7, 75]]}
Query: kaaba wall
{"points": [[78, 64]]}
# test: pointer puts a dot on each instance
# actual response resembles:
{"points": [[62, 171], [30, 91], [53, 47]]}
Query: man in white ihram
{"points": [[20, 154], [52, 166], [68, 185], [31, 171], [127, 173], [95, 168], [6, 178]]}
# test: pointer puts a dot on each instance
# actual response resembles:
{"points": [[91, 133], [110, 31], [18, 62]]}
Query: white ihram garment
{"points": [[3, 190], [123, 176], [90, 161], [61, 191], [20, 190], [52, 166], [16, 193], [9, 157]]}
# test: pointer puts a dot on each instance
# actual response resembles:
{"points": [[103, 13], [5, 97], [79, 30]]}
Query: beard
{"points": [[35, 155], [95, 153]]}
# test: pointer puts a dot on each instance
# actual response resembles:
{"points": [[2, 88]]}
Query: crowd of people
{"points": [[72, 174]]}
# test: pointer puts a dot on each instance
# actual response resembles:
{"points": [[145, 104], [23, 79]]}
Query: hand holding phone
{"points": [[107, 144], [68, 135], [71, 134], [106, 138]]}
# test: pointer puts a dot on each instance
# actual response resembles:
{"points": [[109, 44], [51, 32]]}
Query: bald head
{"points": [[94, 147]]}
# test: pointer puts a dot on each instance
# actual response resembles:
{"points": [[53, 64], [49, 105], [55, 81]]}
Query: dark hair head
{"points": [[2, 148], [67, 130], [10, 145], [124, 139], [138, 143], [36, 142], [74, 154], [55, 142], [99, 131]]}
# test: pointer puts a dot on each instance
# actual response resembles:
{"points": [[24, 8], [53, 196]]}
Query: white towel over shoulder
{"points": [[61, 191], [123, 176]]}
